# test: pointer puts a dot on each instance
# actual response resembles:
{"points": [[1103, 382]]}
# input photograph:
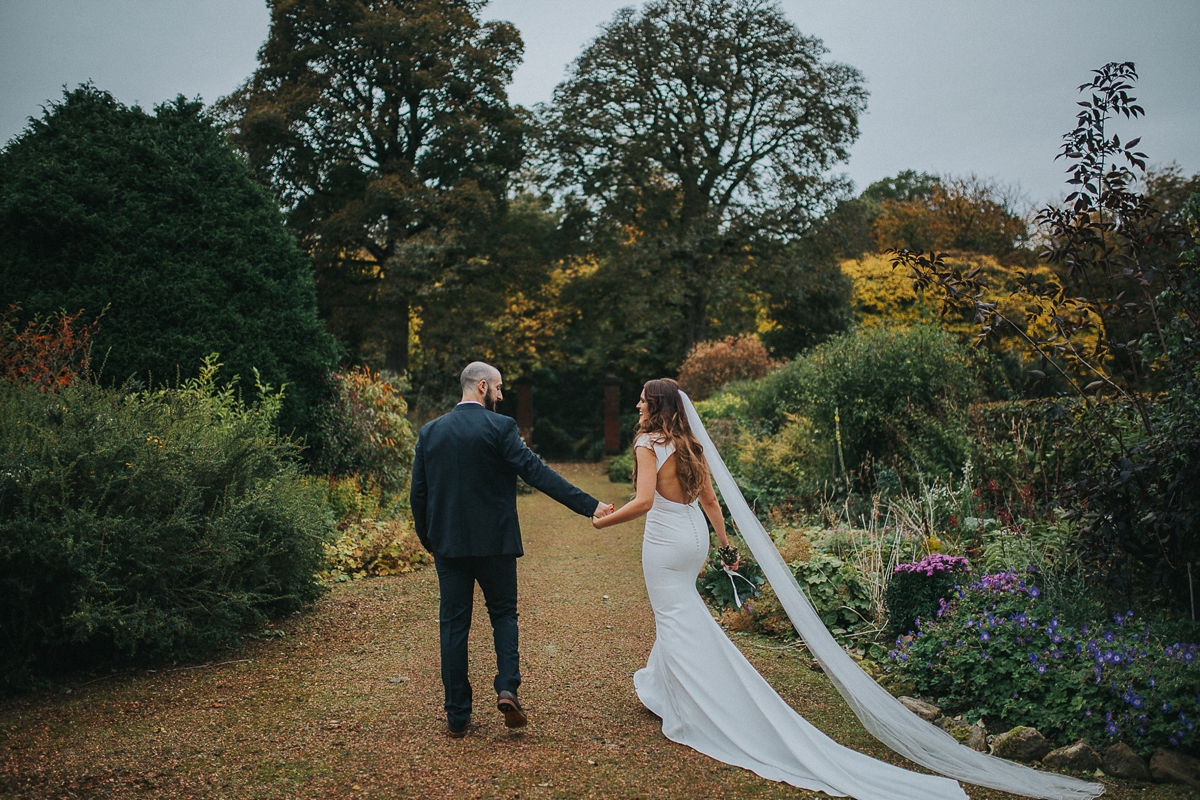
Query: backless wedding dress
{"points": [[710, 697], [713, 700]]}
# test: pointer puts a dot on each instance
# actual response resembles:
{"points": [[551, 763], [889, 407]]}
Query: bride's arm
{"points": [[712, 510], [640, 504]]}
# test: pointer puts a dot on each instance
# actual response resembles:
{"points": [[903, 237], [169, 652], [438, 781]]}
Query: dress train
{"points": [[712, 699]]}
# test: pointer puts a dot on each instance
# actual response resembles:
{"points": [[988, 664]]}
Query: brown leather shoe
{"points": [[510, 706], [456, 733]]}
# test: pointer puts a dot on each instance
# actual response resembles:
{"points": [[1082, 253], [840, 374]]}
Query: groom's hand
{"points": [[603, 510]]}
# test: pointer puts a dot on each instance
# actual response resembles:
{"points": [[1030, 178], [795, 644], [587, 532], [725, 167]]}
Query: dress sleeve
{"points": [[644, 441]]}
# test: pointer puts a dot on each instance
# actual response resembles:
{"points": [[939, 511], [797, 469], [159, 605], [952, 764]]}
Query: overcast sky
{"points": [[957, 86]]}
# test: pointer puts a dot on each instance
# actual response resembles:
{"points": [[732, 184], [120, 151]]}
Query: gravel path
{"points": [[346, 701]]}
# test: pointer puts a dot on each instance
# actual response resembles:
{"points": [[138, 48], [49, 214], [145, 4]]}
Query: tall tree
{"points": [[385, 127], [700, 125], [966, 213], [157, 220]]}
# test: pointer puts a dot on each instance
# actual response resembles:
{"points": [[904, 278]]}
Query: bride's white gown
{"points": [[709, 696]]}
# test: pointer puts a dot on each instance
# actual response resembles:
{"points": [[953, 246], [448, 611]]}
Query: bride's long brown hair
{"points": [[666, 419]]}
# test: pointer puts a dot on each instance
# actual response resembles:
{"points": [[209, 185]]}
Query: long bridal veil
{"points": [[880, 713]]}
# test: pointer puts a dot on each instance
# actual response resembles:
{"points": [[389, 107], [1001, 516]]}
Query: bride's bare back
{"points": [[668, 482]]}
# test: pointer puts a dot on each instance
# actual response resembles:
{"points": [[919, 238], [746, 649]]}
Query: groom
{"points": [[464, 506]]}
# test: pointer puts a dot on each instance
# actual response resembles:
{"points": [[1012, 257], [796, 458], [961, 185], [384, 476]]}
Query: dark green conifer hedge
{"points": [[154, 218]]}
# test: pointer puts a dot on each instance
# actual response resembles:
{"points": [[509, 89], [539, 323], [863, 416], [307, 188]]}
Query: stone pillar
{"points": [[612, 415], [525, 405]]}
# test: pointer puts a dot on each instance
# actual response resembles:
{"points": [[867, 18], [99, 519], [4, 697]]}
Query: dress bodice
{"points": [[662, 449]]}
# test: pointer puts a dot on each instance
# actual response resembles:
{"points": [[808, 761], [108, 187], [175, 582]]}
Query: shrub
{"points": [[347, 499], [727, 405], [156, 524], [999, 649], [872, 399], [1030, 451], [372, 547], [711, 365], [363, 432], [837, 590], [774, 469], [620, 468], [916, 590], [49, 352]]}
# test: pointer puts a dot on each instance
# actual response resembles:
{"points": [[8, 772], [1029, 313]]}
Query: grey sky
{"points": [[956, 86]]}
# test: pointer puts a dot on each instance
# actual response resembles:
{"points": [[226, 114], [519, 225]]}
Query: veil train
{"points": [[882, 715]]}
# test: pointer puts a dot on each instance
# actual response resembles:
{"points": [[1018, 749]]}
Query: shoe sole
{"points": [[513, 716]]}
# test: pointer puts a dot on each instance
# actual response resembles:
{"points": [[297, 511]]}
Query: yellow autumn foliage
{"points": [[883, 296]]}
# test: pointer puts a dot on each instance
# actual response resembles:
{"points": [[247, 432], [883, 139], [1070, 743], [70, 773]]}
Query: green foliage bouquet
{"points": [[718, 587], [998, 648]]}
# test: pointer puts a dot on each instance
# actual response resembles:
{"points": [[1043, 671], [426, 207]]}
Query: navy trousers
{"points": [[497, 577]]}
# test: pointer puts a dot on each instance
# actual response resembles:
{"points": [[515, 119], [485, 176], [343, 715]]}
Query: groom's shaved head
{"points": [[475, 372]]}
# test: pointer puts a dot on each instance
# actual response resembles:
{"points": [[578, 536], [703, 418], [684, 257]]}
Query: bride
{"points": [[708, 695]]}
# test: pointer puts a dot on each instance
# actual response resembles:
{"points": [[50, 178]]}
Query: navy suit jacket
{"points": [[464, 484]]}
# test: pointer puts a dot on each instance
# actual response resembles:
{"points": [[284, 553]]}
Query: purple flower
{"points": [[984, 635], [1137, 702], [1111, 728], [1166, 708], [1041, 668], [935, 562]]}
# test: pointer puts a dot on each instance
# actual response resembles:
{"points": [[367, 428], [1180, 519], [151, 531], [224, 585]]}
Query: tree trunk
{"points": [[695, 303], [694, 307], [396, 333]]}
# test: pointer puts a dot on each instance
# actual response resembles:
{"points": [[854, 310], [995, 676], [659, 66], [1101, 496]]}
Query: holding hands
{"points": [[602, 511]]}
